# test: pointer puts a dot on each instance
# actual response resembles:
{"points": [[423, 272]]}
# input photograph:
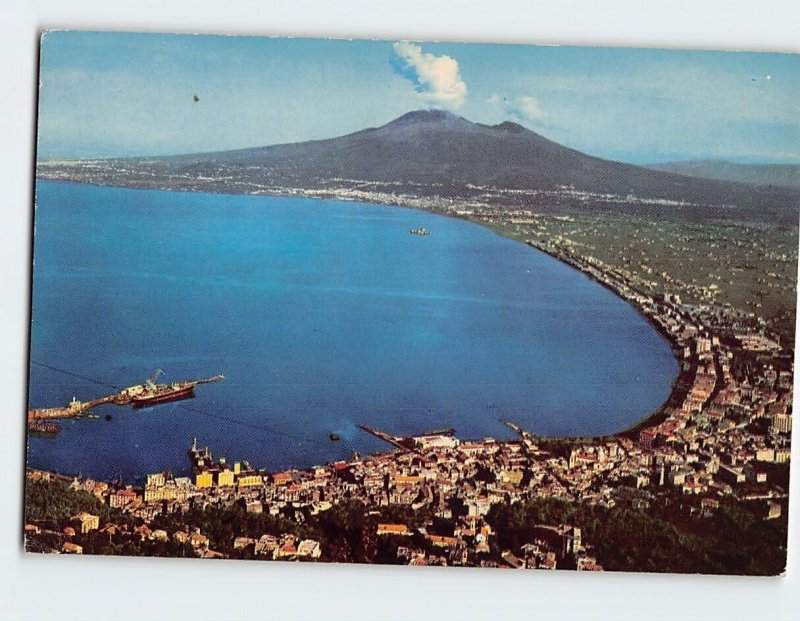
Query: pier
{"points": [[405, 444], [75, 409], [140, 395], [528, 438]]}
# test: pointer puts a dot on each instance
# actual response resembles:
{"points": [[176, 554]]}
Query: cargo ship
{"points": [[163, 393], [40, 420], [150, 393]]}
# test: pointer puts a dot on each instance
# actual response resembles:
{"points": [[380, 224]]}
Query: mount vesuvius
{"points": [[436, 153]]}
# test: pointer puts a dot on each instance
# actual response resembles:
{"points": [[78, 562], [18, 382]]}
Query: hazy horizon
{"points": [[126, 94], [717, 160]]}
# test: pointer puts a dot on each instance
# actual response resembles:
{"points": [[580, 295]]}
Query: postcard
{"points": [[413, 303]]}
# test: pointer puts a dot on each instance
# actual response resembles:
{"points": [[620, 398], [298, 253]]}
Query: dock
{"points": [[39, 418], [404, 444]]}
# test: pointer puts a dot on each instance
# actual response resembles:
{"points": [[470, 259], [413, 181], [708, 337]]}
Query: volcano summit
{"points": [[433, 153]]}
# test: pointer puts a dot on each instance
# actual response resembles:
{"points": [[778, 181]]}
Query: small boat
{"points": [[108, 416], [334, 437]]}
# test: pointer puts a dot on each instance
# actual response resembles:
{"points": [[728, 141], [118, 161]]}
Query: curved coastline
{"points": [[652, 418], [680, 387], [682, 381]]}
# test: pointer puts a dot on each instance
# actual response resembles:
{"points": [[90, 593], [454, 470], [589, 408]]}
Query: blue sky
{"points": [[109, 94]]}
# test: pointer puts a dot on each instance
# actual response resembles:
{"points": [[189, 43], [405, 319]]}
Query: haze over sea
{"points": [[321, 314]]}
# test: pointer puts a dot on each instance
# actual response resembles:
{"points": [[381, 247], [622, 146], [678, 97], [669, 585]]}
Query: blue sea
{"points": [[321, 315]]}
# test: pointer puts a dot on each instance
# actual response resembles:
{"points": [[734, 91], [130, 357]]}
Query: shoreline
{"points": [[681, 384], [658, 414]]}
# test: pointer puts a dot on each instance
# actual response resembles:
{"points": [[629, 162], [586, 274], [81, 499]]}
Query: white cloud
{"points": [[436, 78], [528, 107], [522, 107]]}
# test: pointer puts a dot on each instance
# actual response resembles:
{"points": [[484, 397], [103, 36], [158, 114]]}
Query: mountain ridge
{"points": [[438, 153], [778, 175]]}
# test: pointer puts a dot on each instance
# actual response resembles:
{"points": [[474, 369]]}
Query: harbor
{"points": [[40, 420], [458, 353]]}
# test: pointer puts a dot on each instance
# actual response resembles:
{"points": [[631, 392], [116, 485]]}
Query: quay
{"points": [[140, 395]]}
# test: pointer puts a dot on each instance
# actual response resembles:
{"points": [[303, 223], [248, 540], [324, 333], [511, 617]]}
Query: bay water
{"points": [[321, 314]]}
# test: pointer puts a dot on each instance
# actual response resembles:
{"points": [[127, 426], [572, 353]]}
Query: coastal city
{"points": [[312, 320], [722, 439], [699, 485]]}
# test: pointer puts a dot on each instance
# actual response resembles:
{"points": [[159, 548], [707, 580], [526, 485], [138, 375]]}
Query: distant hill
{"points": [[436, 153], [776, 175]]}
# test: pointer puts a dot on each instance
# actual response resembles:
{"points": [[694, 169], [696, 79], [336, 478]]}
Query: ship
{"points": [[150, 393], [43, 428], [40, 420], [164, 393]]}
